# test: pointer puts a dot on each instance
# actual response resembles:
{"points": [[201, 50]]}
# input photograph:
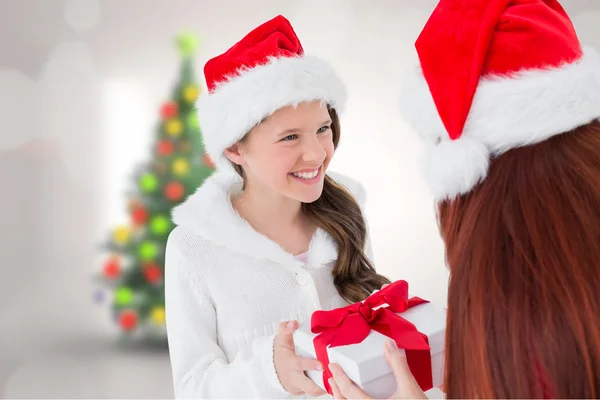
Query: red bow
{"points": [[352, 324]]}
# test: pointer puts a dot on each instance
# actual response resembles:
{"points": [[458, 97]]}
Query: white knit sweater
{"points": [[227, 289]]}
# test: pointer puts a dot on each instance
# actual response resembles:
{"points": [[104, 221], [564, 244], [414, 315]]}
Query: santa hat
{"points": [[495, 75], [265, 71]]}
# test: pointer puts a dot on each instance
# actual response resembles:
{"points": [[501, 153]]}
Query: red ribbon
{"points": [[352, 324]]}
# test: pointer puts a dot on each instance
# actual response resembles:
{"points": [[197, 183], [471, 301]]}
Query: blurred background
{"points": [[84, 84]]}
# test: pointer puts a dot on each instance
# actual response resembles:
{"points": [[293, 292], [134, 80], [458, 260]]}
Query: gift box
{"points": [[354, 337]]}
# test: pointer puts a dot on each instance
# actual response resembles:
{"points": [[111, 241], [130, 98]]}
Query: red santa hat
{"points": [[495, 75], [265, 71]]}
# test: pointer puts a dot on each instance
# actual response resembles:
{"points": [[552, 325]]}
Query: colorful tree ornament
{"points": [[192, 121], [152, 273], [181, 167], [190, 93], [174, 191], [123, 296], [112, 268], [148, 182], [169, 110], [121, 234], [160, 225], [187, 43], [165, 148], [158, 315], [148, 250], [128, 320], [139, 215], [174, 127], [208, 161]]}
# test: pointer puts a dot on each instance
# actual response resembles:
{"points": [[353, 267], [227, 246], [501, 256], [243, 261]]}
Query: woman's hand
{"points": [[408, 388], [290, 367]]}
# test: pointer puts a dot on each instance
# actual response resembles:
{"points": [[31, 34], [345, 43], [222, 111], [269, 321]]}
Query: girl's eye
{"points": [[324, 129], [289, 137]]}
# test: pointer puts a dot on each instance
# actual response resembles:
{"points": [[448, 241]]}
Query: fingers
{"points": [[287, 327], [397, 362], [346, 387], [335, 389], [308, 386], [307, 364], [285, 335], [407, 384]]}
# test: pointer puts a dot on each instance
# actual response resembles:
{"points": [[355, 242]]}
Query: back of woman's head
{"points": [[505, 96], [337, 212], [523, 248]]}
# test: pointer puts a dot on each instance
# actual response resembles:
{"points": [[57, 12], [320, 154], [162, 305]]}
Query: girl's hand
{"points": [[408, 388], [290, 367]]}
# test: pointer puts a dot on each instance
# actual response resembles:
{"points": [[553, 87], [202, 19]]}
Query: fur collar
{"points": [[209, 213]]}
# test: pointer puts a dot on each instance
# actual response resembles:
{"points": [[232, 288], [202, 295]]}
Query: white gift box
{"points": [[365, 362]]}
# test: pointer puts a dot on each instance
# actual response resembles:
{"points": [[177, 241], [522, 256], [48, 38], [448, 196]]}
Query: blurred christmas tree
{"points": [[134, 268]]}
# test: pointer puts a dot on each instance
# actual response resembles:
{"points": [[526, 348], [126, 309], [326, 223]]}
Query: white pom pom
{"points": [[454, 167]]}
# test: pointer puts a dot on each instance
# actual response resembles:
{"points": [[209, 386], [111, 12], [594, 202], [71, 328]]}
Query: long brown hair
{"points": [[523, 249], [338, 214]]}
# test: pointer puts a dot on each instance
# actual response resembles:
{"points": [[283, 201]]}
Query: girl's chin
{"points": [[310, 196]]}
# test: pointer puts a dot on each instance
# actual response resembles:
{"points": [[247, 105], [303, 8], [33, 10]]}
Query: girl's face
{"points": [[288, 152]]}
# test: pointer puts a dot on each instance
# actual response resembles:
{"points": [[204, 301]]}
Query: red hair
{"points": [[523, 249]]}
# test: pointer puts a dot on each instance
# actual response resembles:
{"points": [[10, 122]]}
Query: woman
{"points": [[509, 102], [271, 236]]}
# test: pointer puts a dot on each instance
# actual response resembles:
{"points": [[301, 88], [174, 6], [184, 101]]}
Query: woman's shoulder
{"points": [[355, 187], [184, 246]]}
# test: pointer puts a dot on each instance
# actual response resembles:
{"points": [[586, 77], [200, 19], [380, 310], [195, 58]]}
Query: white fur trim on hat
{"points": [[238, 104], [454, 167], [507, 112]]}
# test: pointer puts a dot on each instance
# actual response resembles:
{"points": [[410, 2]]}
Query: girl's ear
{"points": [[234, 155]]}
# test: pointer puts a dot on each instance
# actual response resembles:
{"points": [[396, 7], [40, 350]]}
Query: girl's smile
{"points": [[308, 176]]}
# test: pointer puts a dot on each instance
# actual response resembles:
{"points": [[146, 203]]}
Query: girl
{"points": [[270, 237], [522, 236]]}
